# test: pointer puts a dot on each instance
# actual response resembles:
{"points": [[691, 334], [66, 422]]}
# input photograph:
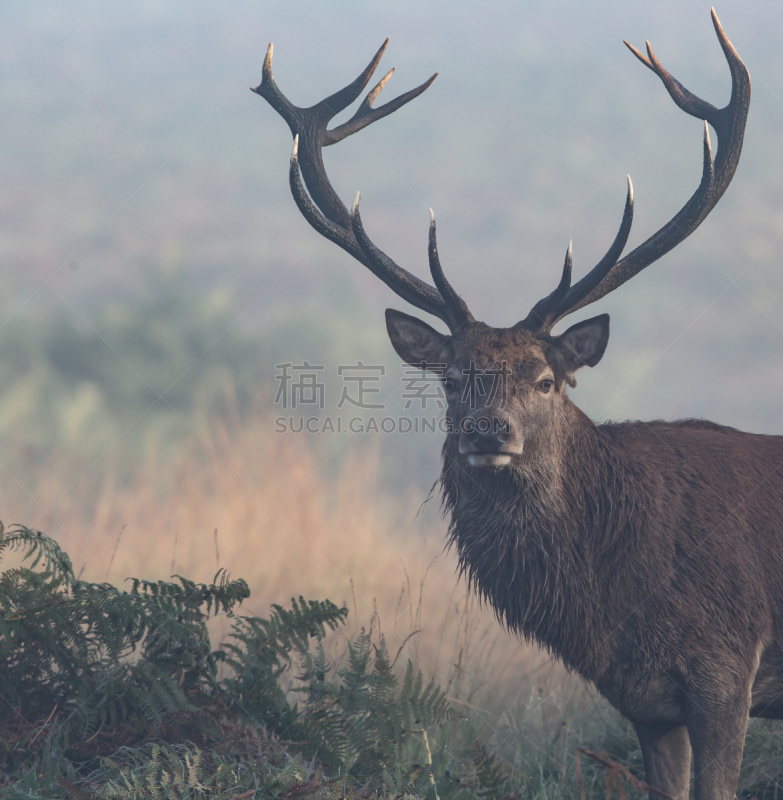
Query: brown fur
{"points": [[648, 556]]}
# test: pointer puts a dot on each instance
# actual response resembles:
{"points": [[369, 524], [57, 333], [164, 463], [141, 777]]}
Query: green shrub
{"points": [[86, 667], [118, 693]]}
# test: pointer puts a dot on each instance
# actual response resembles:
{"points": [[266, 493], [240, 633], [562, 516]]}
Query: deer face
{"points": [[505, 386]]}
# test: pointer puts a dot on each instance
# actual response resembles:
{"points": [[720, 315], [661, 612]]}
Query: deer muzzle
{"points": [[489, 440]]}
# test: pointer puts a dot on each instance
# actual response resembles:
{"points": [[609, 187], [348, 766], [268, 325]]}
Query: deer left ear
{"points": [[583, 344]]}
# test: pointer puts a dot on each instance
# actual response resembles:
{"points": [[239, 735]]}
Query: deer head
{"points": [[506, 387]]}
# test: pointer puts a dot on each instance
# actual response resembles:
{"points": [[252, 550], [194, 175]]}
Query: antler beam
{"points": [[324, 210], [729, 124]]}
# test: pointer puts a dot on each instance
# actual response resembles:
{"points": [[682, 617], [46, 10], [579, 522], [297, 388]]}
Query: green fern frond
{"points": [[91, 669]]}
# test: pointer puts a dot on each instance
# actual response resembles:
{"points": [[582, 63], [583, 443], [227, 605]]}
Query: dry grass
{"points": [[267, 508], [291, 523]]}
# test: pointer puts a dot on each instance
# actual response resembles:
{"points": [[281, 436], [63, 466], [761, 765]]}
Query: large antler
{"points": [[729, 124], [325, 211]]}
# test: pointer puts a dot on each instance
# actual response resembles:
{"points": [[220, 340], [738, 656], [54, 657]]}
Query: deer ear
{"points": [[583, 344], [414, 341]]}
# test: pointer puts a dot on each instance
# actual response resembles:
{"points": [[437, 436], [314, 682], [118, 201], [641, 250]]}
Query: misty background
{"points": [[154, 271], [155, 268]]}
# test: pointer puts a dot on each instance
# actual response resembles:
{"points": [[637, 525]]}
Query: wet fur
{"points": [[655, 550]]}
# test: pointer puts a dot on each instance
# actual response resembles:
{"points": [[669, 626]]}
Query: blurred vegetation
{"points": [[144, 371], [138, 371], [143, 376], [519, 148]]}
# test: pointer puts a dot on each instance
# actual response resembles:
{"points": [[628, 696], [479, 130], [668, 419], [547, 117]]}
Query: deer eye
{"points": [[449, 384], [545, 386]]}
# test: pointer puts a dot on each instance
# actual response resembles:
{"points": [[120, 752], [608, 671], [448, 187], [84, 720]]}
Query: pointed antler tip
{"points": [[651, 61], [381, 83], [610, 272], [707, 143], [355, 206], [638, 53], [716, 22], [432, 219]]}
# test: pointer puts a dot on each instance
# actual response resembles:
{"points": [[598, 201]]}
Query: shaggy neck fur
{"points": [[536, 540]]}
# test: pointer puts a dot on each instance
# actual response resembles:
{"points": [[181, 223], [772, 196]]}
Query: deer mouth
{"points": [[495, 460]]}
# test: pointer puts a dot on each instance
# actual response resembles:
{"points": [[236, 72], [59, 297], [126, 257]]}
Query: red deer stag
{"points": [[647, 555]]}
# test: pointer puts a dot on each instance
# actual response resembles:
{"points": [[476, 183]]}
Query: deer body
{"points": [[647, 556], [632, 561]]}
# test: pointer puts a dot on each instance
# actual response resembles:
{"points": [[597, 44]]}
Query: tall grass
{"points": [[270, 509]]}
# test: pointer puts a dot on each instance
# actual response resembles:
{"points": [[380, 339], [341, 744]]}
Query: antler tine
{"points": [[541, 314], [455, 305], [269, 91], [407, 286], [567, 301], [339, 101], [356, 243], [312, 214], [548, 311], [327, 108], [310, 124], [322, 208], [729, 124], [686, 100], [366, 114]]}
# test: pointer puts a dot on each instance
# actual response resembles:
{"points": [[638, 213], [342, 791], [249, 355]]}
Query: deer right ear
{"points": [[414, 341]]}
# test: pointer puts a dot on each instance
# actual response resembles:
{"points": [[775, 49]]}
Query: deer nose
{"points": [[489, 434]]}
